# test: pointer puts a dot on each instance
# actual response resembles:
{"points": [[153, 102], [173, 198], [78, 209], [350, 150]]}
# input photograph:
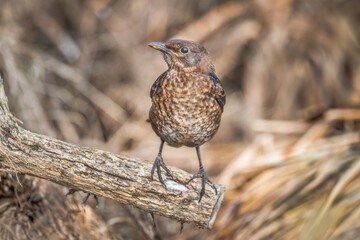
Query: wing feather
{"points": [[218, 91], [156, 87]]}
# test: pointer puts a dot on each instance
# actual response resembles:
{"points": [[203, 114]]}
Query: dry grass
{"points": [[288, 147], [307, 190]]}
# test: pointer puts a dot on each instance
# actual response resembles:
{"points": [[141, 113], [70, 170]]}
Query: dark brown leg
{"points": [[158, 164], [202, 174]]}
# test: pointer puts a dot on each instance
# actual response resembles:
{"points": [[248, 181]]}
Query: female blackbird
{"points": [[187, 102]]}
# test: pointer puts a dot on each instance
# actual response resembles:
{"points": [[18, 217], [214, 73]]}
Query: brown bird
{"points": [[187, 102]]}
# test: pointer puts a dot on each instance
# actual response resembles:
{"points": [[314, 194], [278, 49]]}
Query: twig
{"points": [[213, 21]]}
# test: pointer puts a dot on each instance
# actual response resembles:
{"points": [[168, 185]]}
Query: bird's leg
{"points": [[202, 174], [158, 164]]}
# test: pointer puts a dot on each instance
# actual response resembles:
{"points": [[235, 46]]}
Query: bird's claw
{"points": [[158, 164], [201, 174]]}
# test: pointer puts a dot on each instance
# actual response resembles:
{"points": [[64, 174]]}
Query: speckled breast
{"points": [[183, 111]]}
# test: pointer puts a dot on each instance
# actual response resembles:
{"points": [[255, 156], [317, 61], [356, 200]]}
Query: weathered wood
{"points": [[124, 179]]}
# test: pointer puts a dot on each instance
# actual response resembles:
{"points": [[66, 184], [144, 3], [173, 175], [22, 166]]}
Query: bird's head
{"points": [[185, 55]]}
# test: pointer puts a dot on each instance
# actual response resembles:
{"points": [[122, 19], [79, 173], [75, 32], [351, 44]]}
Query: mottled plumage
{"points": [[187, 100]]}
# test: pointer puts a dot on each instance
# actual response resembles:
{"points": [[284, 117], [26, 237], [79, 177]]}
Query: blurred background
{"points": [[288, 146]]}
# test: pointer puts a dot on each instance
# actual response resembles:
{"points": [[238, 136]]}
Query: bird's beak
{"points": [[159, 46]]}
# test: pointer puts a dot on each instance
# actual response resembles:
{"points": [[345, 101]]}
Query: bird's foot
{"points": [[201, 174], [158, 164]]}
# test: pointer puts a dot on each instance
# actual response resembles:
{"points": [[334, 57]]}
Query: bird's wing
{"points": [[156, 87], [218, 91]]}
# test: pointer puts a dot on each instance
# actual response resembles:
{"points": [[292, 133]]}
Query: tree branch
{"points": [[124, 179]]}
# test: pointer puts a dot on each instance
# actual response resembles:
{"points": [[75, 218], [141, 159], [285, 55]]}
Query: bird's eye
{"points": [[184, 50]]}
